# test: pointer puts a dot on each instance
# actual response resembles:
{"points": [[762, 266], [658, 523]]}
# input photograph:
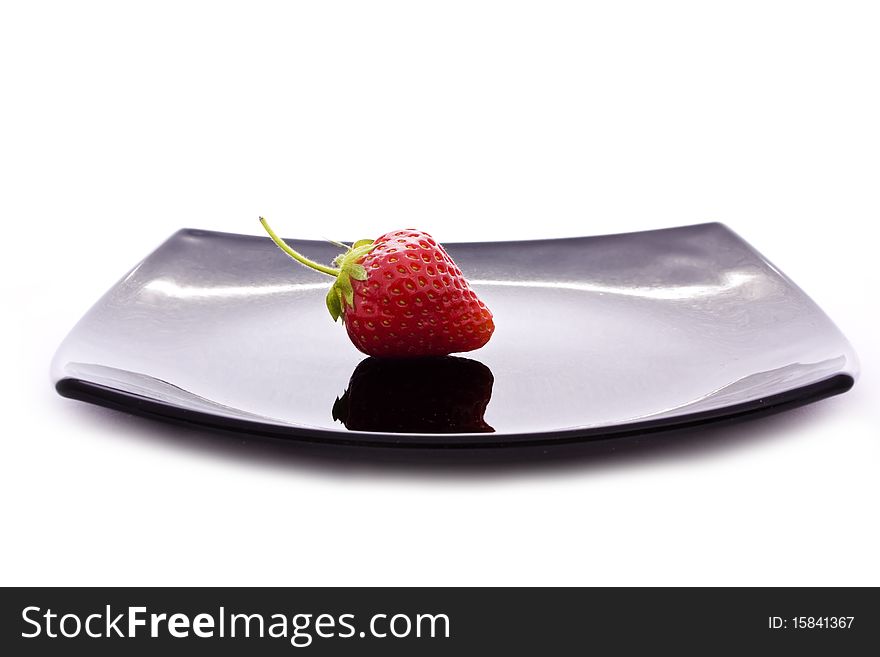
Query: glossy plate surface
{"points": [[596, 337]]}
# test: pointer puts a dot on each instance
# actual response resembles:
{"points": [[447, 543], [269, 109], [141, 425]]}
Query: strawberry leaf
{"points": [[358, 272], [343, 282], [334, 304], [357, 253]]}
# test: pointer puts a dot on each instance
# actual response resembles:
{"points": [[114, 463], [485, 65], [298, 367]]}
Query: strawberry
{"points": [[402, 296], [430, 395]]}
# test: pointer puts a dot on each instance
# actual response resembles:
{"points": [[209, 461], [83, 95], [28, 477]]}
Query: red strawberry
{"points": [[402, 296]]}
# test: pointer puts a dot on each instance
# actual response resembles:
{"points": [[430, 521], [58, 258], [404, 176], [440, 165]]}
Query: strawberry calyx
{"points": [[348, 267], [341, 293]]}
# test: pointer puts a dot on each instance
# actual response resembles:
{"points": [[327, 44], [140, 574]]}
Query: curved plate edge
{"points": [[144, 407]]}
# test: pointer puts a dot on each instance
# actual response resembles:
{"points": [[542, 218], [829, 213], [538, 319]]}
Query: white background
{"points": [[122, 122]]}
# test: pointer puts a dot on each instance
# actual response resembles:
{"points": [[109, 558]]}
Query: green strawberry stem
{"points": [[341, 293], [330, 271]]}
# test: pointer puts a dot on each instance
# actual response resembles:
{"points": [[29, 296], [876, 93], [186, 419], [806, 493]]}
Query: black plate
{"points": [[596, 337]]}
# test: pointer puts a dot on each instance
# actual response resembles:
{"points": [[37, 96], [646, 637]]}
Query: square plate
{"points": [[596, 337]]}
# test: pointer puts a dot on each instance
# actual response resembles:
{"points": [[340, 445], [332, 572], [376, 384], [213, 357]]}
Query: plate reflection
{"points": [[428, 395]]}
